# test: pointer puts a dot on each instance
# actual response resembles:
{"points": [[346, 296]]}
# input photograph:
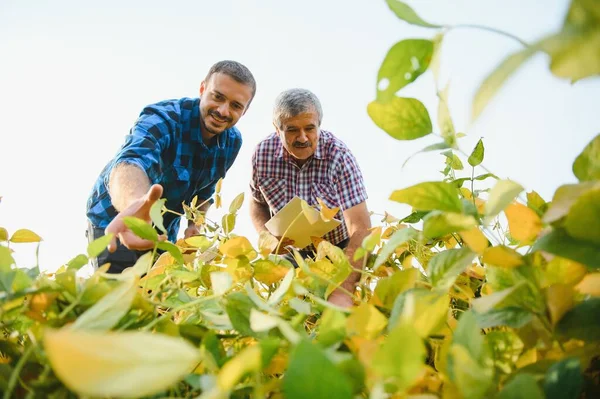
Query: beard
{"points": [[216, 115]]}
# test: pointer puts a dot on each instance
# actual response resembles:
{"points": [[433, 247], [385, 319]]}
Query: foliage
{"points": [[476, 294]]}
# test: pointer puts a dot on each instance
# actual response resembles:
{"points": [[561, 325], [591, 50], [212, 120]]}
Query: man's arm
{"points": [[260, 214], [127, 183], [358, 223]]}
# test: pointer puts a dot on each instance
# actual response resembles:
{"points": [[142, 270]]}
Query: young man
{"points": [[177, 149], [300, 159]]}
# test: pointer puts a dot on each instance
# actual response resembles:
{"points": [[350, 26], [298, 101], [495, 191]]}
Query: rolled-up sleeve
{"points": [[145, 143], [257, 195]]}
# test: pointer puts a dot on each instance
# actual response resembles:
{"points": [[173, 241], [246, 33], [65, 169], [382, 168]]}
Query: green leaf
{"points": [[141, 228], [476, 156], [509, 316], [172, 249], [452, 160], [438, 224], [468, 335], [107, 312], [228, 222], [486, 303], [236, 204], [220, 282], [426, 311], [311, 374], [564, 198], [523, 386], [398, 238], [403, 64], [494, 81], [3, 234], [430, 196], [401, 118], [583, 219], [390, 287], [564, 380], [6, 258], [573, 53], [582, 322], [332, 327], [559, 243], [214, 346], [587, 165], [445, 266], [502, 194], [445, 120], [77, 262], [156, 214], [537, 203], [401, 356], [407, 14], [96, 247], [472, 378], [238, 307]]}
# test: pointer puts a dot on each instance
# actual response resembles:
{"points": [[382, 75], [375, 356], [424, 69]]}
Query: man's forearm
{"points": [[354, 243], [260, 214], [127, 183]]}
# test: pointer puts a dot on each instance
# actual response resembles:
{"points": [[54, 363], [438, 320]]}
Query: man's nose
{"points": [[224, 109], [302, 137]]}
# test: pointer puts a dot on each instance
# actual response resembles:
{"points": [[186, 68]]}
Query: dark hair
{"points": [[236, 71], [293, 102]]}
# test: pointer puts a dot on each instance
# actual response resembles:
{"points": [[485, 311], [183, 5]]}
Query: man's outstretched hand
{"points": [[139, 208]]}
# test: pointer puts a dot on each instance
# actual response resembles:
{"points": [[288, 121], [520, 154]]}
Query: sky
{"points": [[74, 76]]}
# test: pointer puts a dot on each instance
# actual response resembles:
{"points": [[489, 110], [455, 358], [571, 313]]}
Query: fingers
{"points": [[154, 194], [114, 228], [133, 242]]}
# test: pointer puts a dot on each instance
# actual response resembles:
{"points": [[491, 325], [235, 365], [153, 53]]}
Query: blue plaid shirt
{"points": [[166, 142]]}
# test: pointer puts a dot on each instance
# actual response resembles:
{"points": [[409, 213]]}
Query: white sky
{"points": [[74, 77]]}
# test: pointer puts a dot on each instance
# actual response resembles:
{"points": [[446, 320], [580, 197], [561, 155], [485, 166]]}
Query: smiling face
{"points": [[300, 135], [223, 101]]}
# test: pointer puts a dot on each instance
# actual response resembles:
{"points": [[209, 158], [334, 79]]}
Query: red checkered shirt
{"points": [[331, 174]]}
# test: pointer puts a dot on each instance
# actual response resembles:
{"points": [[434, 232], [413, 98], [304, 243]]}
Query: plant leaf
{"points": [[558, 242], [156, 214], [476, 156], [502, 194], [445, 266], [141, 228], [398, 238], [307, 371], [430, 196], [105, 364], [236, 204], [407, 14], [24, 236], [587, 165], [402, 118], [403, 64], [583, 219], [564, 379]]}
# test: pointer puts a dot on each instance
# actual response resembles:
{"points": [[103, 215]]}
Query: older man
{"points": [[300, 159], [181, 147]]}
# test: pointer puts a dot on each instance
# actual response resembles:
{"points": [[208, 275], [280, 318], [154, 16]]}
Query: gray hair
{"points": [[237, 71], [293, 102]]}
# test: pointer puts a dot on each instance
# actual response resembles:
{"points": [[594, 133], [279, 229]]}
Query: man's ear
{"points": [[276, 127], [202, 87]]}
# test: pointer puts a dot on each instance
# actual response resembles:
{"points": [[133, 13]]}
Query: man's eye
{"points": [[218, 97]]}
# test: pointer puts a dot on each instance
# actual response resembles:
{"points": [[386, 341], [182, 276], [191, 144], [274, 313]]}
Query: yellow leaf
{"points": [[123, 364], [3, 234], [237, 246], [502, 256], [326, 213], [266, 243], [559, 298], [249, 359], [316, 241], [365, 321], [524, 224], [450, 242], [474, 239], [24, 235], [268, 272], [528, 357], [563, 271], [309, 212], [590, 285]]}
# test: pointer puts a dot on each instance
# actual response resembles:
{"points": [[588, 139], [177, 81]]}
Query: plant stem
{"points": [[494, 30], [15, 374]]}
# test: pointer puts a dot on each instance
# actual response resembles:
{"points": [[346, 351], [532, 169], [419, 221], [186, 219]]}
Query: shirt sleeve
{"points": [[257, 195], [351, 187], [145, 143]]}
